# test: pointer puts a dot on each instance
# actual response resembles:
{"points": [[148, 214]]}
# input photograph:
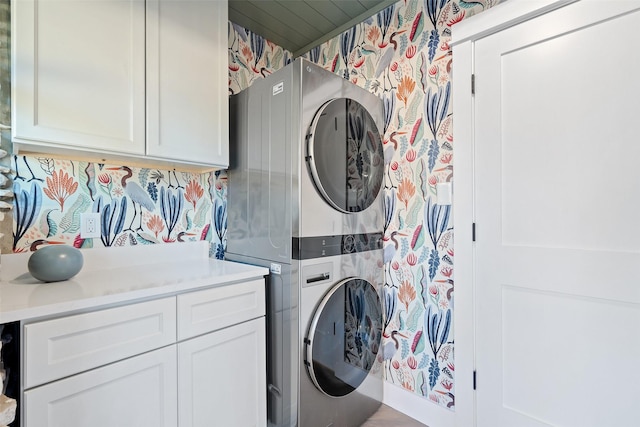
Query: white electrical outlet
{"points": [[89, 225]]}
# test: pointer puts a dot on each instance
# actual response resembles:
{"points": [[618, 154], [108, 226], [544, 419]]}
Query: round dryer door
{"points": [[345, 155], [344, 337]]}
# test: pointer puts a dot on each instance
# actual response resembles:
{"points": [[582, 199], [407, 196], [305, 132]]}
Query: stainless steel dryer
{"points": [[304, 191]]}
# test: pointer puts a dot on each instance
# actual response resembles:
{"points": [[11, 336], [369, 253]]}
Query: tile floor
{"points": [[389, 417]]}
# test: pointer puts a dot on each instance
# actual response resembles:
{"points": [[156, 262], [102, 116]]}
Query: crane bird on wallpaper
{"points": [[137, 196]]}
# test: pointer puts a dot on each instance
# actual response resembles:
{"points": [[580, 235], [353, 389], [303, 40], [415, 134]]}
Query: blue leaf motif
{"points": [[436, 106], [53, 227], [423, 362], [384, 19], [390, 300], [152, 189], [404, 351], [437, 325], [220, 218], [314, 54], [436, 217], [171, 208], [389, 208], [347, 43], [433, 8], [27, 206], [219, 254], [257, 47], [434, 372], [112, 217], [433, 152], [434, 262], [389, 106], [434, 39]]}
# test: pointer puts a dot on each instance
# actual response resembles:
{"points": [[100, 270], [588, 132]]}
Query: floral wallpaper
{"points": [[402, 54], [252, 57], [136, 205]]}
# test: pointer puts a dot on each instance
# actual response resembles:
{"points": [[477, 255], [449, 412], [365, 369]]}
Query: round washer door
{"points": [[345, 155], [344, 337]]}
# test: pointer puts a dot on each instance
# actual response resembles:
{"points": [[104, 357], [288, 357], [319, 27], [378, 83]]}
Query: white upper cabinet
{"points": [[122, 79], [78, 74], [187, 108]]}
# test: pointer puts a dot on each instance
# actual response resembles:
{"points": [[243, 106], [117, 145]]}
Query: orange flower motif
{"points": [[59, 187], [155, 224], [405, 88], [193, 192], [246, 51], [406, 190], [407, 385], [373, 34], [407, 293]]}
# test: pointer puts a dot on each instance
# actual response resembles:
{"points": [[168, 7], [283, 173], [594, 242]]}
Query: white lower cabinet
{"points": [[220, 378], [137, 392], [127, 365]]}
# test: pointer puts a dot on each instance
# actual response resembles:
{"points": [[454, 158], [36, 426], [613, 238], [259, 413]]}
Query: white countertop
{"points": [[113, 276]]}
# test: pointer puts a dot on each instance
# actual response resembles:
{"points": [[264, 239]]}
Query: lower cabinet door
{"points": [[136, 392], [222, 378]]}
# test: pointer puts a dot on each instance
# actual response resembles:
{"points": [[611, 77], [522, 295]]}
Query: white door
{"points": [[187, 90], [557, 210], [136, 392], [222, 378]]}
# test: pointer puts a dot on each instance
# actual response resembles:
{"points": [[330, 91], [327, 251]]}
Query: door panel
{"points": [[557, 201], [136, 392]]}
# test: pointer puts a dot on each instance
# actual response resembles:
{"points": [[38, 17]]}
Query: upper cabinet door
{"points": [[187, 106], [78, 74]]}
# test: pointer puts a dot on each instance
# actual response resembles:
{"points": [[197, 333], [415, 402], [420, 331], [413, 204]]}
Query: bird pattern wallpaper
{"points": [[136, 205], [251, 57]]}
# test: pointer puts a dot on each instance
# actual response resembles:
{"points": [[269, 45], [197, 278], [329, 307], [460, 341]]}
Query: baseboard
{"points": [[417, 407]]}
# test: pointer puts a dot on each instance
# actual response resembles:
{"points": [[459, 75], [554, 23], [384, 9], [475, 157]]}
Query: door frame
{"points": [[464, 35]]}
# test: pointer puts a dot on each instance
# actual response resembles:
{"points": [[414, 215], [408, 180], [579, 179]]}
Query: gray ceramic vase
{"points": [[55, 263]]}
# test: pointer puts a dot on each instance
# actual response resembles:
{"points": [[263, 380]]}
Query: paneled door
{"points": [[557, 213]]}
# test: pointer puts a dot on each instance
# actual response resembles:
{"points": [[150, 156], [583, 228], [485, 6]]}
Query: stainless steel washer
{"points": [[304, 189]]}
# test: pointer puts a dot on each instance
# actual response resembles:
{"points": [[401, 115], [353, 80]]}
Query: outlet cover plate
{"points": [[89, 225]]}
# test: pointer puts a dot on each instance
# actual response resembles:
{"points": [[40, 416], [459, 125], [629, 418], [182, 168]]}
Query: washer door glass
{"points": [[345, 155], [344, 337]]}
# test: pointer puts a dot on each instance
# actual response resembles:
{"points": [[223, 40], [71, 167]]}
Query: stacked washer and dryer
{"points": [[304, 199]]}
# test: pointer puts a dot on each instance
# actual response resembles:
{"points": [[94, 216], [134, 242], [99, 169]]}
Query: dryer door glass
{"points": [[344, 337], [345, 155]]}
